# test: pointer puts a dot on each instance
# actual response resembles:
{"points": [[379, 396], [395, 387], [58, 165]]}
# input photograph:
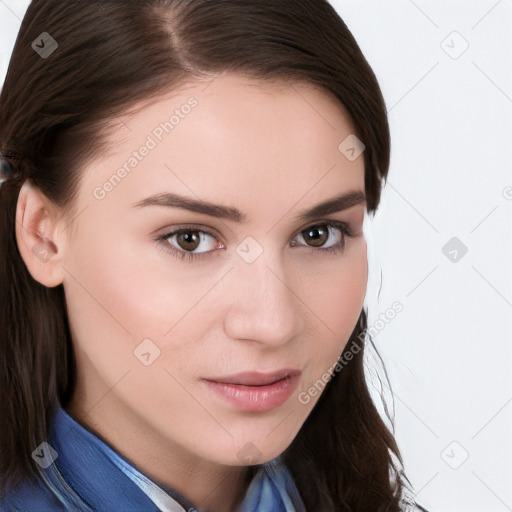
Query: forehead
{"points": [[242, 141]]}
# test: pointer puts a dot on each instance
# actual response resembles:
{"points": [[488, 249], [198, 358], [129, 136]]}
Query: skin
{"points": [[270, 150]]}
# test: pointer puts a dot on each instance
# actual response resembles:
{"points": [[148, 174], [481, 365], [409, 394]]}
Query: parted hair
{"points": [[54, 114]]}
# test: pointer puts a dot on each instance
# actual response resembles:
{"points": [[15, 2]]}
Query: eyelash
{"points": [[338, 248]]}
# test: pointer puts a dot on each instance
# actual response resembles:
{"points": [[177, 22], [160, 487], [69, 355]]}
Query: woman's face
{"points": [[246, 287]]}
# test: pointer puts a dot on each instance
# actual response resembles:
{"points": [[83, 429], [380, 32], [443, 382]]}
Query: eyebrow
{"points": [[335, 204]]}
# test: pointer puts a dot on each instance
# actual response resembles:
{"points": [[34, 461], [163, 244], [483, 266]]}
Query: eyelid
{"points": [[211, 231], [189, 227]]}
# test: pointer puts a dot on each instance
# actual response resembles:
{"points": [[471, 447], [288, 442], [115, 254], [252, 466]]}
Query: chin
{"points": [[251, 451]]}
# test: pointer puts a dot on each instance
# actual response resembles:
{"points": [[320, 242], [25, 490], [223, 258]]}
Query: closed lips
{"points": [[255, 378]]}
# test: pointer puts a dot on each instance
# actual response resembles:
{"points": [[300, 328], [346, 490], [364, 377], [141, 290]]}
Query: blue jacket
{"points": [[78, 471]]}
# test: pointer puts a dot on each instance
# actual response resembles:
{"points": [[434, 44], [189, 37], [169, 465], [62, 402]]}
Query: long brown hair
{"points": [[53, 117]]}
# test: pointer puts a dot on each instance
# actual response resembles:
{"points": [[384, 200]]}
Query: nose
{"points": [[264, 307]]}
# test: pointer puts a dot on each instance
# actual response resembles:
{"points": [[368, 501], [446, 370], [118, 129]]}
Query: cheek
{"points": [[337, 303], [338, 297], [346, 298], [125, 292], [111, 302]]}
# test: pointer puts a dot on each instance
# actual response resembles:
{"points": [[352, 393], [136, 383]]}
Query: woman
{"points": [[183, 260]]}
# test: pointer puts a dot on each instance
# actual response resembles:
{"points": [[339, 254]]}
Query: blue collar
{"points": [[89, 475]]}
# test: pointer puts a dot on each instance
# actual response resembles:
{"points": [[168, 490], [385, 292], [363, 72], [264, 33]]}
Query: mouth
{"points": [[254, 391], [256, 378]]}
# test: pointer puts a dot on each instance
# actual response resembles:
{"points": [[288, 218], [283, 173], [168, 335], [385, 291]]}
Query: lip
{"points": [[255, 391]]}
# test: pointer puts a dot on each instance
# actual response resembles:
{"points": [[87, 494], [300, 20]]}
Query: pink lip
{"points": [[253, 391]]}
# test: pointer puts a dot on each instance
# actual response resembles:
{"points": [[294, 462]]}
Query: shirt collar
{"points": [[102, 478]]}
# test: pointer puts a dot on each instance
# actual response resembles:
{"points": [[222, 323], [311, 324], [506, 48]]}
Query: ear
{"points": [[39, 235]]}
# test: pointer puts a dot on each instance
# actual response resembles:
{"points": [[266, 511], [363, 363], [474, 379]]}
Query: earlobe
{"points": [[37, 235]]}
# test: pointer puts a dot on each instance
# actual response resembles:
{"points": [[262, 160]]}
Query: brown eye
{"points": [[316, 235], [327, 237], [188, 240]]}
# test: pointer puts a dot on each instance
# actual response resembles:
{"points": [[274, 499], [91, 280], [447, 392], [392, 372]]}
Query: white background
{"points": [[448, 353]]}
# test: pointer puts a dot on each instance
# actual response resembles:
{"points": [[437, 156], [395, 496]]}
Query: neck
{"points": [[210, 486]]}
